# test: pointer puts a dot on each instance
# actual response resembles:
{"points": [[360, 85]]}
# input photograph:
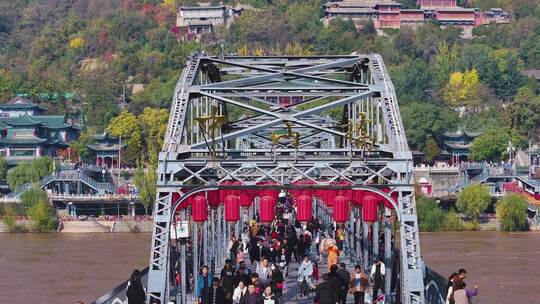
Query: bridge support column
{"points": [[387, 252], [358, 237], [365, 245], [195, 257], [213, 242], [375, 239], [183, 274], [205, 242]]}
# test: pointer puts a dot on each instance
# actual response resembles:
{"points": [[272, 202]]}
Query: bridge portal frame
{"points": [[326, 153]]}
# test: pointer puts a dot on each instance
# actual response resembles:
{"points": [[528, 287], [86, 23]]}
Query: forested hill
{"points": [[92, 48]]}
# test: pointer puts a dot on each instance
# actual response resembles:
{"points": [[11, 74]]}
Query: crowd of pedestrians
{"points": [[270, 250]]}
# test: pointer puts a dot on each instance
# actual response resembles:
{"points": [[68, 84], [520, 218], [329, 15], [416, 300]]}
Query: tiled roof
{"points": [[23, 140], [24, 120]]}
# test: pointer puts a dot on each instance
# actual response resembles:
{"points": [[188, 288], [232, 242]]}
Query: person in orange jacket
{"points": [[333, 255]]}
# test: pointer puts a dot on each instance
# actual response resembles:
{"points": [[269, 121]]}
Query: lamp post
{"points": [[511, 149]]}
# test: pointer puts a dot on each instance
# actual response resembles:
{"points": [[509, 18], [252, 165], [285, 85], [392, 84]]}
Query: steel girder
{"points": [[318, 97]]}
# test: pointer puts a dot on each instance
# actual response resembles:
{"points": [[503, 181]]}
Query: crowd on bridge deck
{"points": [[270, 250]]}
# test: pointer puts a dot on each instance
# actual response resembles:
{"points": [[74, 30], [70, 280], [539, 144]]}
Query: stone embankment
{"points": [[96, 226]]}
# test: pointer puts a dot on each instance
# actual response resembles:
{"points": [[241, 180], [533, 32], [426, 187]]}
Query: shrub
{"points": [[10, 218], [452, 222], [512, 212], [473, 200], [43, 217], [430, 216]]}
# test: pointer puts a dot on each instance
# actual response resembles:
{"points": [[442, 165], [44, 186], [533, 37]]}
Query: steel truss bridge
{"points": [[270, 122]]}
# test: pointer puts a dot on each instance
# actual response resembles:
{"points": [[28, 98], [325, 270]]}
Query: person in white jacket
{"points": [[377, 275], [239, 292]]}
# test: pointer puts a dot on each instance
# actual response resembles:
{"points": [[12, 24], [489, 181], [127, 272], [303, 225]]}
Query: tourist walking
{"points": [[203, 282], [251, 297], [277, 280], [239, 292], [233, 249], [268, 296], [333, 254], [359, 284], [228, 283], [215, 294], [135, 292], [264, 271], [323, 248], [344, 288], [305, 272], [458, 295], [377, 275], [326, 293]]}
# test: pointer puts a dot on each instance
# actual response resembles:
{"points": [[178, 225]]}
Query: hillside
{"points": [[94, 49]]}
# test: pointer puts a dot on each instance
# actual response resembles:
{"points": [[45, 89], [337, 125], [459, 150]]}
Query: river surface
{"points": [[65, 268]]}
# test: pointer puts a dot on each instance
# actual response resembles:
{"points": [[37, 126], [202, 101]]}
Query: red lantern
{"points": [[370, 207], [213, 198], [199, 209], [245, 199], [304, 211], [357, 197], [341, 209], [268, 192], [267, 207], [347, 193], [327, 196], [232, 208], [298, 193]]}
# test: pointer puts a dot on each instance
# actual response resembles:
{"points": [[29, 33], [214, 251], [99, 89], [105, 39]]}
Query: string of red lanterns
{"points": [[340, 200]]}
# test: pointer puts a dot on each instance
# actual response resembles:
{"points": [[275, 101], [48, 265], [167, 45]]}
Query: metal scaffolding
{"points": [[285, 119]]}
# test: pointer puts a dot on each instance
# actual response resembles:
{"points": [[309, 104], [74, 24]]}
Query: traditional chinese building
{"points": [[455, 16], [105, 150], [197, 20], [390, 14], [435, 4], [456, 145], [25, 133]]}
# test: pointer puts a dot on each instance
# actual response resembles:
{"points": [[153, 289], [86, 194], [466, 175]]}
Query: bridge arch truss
{"points": [[281, 120]]}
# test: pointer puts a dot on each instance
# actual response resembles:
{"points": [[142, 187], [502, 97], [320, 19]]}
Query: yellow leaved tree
{"points": [[76, 43], [465, 90]]}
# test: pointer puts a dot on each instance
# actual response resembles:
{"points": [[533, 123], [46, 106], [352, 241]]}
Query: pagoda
{"points": [[26, 133], [106, 149], [457, 145]]}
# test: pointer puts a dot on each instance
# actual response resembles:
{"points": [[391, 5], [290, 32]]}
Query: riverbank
{"points": [[91, 226]]}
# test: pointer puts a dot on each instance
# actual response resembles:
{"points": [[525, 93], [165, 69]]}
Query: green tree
{"points": [[127, 128], [80, 146], [524, 112], [153, 122], [42, 214], [413, 81], [3, 168], [445, 62], [31, 197], [145, 181], [29, 172], [512, 212], [423, 121], [473, 200], [430, 216], [491, 144], [501, 73], [431, 149], [19, 175]]}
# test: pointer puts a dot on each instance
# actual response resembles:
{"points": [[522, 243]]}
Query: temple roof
{"points": [[461, 132], [24, 120], [454, 145], [23, 140], [101, 147], [47, 121], [20, 103]]}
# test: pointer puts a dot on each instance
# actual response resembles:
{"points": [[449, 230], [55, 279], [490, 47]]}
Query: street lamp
{"points": [[511, 149]]}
